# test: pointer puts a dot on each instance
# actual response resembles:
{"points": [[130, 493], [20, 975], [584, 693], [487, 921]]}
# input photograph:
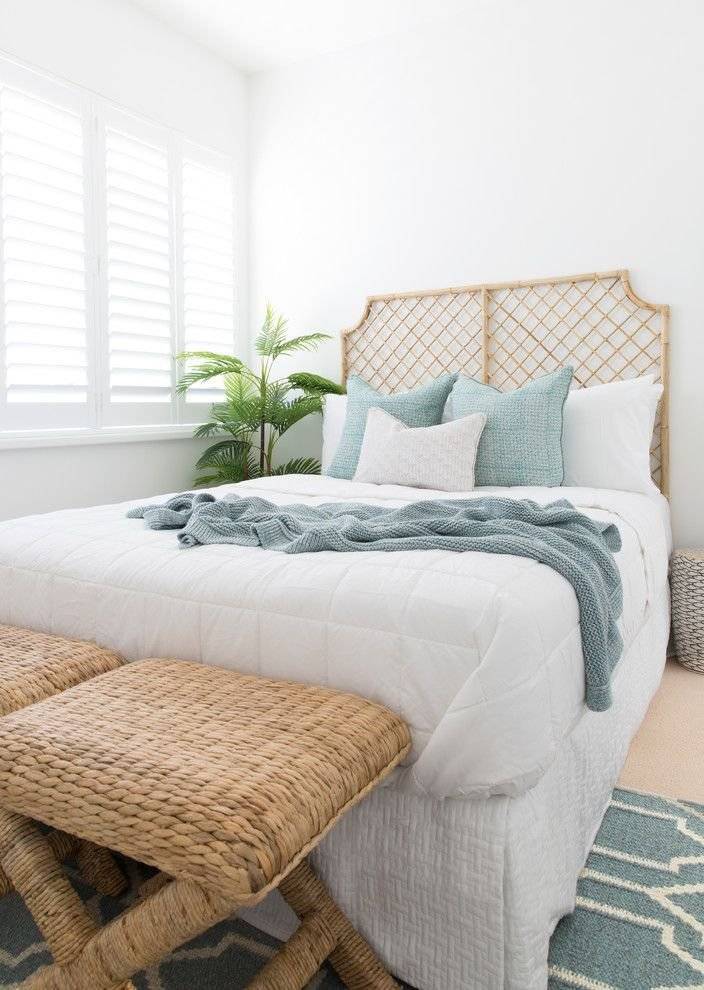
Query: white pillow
{"points": [[606, 434], [440, 457], [334, 412]]}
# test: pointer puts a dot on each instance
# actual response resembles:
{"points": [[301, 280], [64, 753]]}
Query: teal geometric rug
{"points": [[639, 922]]}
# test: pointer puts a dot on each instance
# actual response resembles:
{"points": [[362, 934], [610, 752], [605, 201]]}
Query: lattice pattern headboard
{"points": [[510, 332]]}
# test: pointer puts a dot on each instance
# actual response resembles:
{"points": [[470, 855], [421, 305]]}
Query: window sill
{"points": [[18, 439]]}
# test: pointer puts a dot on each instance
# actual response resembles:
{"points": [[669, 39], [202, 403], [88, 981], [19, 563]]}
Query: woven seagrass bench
{"points": [[35, 666], [221, 781]]}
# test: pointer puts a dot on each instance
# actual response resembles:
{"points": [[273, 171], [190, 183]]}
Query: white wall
{"points": [[114, 49], [524, 139]]}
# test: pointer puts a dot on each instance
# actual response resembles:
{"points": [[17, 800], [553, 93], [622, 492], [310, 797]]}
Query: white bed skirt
{"points": [[464, 894]]}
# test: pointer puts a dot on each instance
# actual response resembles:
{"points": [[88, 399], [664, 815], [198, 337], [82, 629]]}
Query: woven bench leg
{"points": [[99, 868], [96, 865], [139, 938], [324, 933], [30, 862], [62, 845]]}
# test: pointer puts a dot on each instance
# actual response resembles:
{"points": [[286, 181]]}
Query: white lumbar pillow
{"points": [[606, 434], [440, 457], [334, 412]]}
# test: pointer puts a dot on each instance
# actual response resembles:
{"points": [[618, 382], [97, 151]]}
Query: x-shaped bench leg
{"points": [[97, 865], [91, 958], [324, 933], [29, 860]]}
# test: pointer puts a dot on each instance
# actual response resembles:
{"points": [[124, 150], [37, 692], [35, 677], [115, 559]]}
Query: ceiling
{"points": [[263, 34]]}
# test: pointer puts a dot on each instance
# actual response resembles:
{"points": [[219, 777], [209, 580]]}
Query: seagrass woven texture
{"points": [[207, 774], [36, 665], [688, 607], [508, 333]]}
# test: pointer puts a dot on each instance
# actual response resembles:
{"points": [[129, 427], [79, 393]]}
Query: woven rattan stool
{"points": [[35, 666], [223, 782]]}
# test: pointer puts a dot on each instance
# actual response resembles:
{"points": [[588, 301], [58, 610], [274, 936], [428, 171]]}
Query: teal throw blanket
{"points": [[577, 547]]}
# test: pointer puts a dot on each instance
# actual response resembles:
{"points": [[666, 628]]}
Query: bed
{"points": [[458, 870]]}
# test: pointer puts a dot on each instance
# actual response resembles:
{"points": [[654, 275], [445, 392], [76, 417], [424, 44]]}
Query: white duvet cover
{"points": [[480, 653]]}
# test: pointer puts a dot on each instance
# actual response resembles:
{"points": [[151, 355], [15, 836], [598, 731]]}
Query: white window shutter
{"points": [[207, 244], [139, 239], [43, 305], [116, 252]]}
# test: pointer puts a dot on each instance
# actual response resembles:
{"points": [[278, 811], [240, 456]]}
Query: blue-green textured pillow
{"points": [[422, 406], [522, 440]]}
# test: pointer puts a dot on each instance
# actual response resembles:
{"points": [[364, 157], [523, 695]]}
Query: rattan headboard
{"points": [[509, 332]]}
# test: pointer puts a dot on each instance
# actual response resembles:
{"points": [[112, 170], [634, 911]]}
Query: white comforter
{"points": [[481, 653]]}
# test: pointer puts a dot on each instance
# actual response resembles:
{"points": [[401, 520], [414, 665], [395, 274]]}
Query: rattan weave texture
{"points": [[35, 665], [211, 776], [688, 607], [508, 333]]}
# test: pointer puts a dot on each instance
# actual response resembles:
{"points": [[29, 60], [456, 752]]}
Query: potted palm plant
{"points": [[257, 408]]}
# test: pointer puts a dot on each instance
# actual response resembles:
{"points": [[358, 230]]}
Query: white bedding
{"points": [[480, 653]]}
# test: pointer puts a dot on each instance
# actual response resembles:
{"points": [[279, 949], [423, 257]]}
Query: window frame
{"points": [[100, 420]]}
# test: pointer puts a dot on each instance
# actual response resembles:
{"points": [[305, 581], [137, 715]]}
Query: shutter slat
{"points": [[44, 282], [23, 167], [44, 153], [139, 269], [208, 266]]}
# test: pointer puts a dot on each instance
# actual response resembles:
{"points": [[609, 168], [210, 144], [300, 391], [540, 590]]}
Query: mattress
{"points": [[480, 653]]}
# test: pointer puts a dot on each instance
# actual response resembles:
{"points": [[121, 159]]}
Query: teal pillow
{"points": [[522, 440], [421, 406]]}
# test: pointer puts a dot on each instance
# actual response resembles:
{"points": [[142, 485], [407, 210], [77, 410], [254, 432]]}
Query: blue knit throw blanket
{"points": [[577, 547]]}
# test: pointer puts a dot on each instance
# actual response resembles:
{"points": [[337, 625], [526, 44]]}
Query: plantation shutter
{"points": [[139, 234], [207, 239], [116, 253], [44, 353]]}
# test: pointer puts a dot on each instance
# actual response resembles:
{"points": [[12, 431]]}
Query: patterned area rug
{"points": [[639, 921]]}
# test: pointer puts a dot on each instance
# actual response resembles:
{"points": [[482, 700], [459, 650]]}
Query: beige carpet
{"points": [[667, 754]]}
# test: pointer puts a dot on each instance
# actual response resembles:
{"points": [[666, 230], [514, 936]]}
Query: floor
{"points": [[667, 754]]}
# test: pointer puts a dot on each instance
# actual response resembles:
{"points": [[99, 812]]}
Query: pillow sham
{"points": [[422, 406], [334, 412], [607, 433], [522, 440], [440, 457]]}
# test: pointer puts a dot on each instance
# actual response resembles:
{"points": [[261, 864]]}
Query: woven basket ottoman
{"points": [[687, 581], [35, 666], [224, 782]]}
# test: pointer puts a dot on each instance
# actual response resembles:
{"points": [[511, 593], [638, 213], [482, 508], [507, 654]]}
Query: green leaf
{"points": [[212, 457], [272, 333], [271, 341], [210, 429], [244, 404], [292, 412], [228, 467], [315, 384], [307, 342], [298, 465], [208, 481], [209, 365]]}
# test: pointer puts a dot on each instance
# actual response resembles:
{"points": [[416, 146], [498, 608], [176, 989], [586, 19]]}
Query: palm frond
{"points": [[209, 429], [307, 342], [293, 411], [272, 333], [228, 467], [233, 448], [306, 381], [298, 465], [243, 405], [209, 365], [271, 342]]}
